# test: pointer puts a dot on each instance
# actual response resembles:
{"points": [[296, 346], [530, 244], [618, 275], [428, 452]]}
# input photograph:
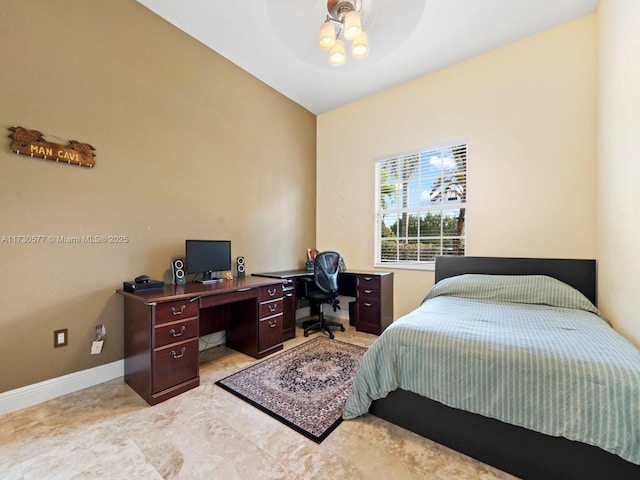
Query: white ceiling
{"points": [[277, 40]]}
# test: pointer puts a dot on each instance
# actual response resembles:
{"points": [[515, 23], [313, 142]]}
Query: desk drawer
{"points": [[270, 332], [174, 364], [225, 298], [368, 281], [371, 295], [288, 284], [268, 309], [175, 331], [271, 292], [172, 311], [368, 317]]}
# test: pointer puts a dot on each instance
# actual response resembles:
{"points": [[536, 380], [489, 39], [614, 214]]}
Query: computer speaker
{"points": [[240, 267], [178, 271]]}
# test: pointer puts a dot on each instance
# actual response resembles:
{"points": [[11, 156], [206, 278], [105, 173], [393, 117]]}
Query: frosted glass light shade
{"points": [[352, 26], [327, 36], [337, 55], [360, 46]]}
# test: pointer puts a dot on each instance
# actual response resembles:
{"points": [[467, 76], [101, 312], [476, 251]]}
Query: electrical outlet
{"points": [[60, 338]]}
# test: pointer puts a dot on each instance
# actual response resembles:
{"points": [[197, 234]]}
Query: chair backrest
{"points": [[325, 271]]}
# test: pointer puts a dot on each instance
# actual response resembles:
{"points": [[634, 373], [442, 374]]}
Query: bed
{"points": [[509, 361]]}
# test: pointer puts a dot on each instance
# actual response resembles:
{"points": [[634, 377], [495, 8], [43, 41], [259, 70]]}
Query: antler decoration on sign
{"points": [[31, 142]]}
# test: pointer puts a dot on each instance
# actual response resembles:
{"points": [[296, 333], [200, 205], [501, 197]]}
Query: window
{"points": [[421, 200]]}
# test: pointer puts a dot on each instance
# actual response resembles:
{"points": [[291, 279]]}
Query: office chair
{"points": [[325, 277]]}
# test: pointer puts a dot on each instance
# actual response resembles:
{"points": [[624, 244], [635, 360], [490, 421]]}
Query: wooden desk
{"points": [[373, 292], [161, 330]]}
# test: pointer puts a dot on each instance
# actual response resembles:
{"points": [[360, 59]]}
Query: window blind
{"points": [[421, 201]]}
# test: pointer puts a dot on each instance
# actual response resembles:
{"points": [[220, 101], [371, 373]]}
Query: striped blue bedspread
{"points": [[528, 350]]}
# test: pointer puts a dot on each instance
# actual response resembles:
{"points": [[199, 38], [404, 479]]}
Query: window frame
{"points": [[379, 212]]}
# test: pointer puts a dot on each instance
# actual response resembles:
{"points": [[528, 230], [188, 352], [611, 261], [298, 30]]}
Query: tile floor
{"points": [[108, 432]]}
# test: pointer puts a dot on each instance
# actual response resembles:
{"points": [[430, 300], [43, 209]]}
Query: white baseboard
{"points": [[343, 312], [339, 315], [30, 395], [303, 312], [212, 340]]}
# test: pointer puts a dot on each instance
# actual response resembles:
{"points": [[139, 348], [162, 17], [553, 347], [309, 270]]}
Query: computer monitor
{"points": [[207, 257]]}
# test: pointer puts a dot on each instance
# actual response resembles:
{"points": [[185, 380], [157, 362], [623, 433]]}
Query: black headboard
{"points": [[580, 274]]}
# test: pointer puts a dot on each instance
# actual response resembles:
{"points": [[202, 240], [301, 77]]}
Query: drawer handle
{"points": [[272, 292], [367, 304], [289, 295], [175, 355], [272, 325], [175, 312], [368, 291], [368, 279], [176, 334], [273, 308]]}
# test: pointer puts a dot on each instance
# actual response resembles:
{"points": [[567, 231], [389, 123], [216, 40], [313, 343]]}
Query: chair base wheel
{"points": [[321, 325]]}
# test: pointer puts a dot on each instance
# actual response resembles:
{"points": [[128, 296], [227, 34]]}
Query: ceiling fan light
{"points": [[337, 55], [327, 35], [352, 25], [360, 46]]}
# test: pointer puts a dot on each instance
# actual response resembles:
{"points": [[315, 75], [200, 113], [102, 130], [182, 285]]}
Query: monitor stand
{"points": [[207, 278]]}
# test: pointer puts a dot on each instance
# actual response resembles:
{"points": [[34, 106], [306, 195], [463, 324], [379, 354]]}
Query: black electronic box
{"points": [[149, 286]]}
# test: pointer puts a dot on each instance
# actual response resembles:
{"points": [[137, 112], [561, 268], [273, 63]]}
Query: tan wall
{"points": [[187, 146], [528, 111], [618, 165]]}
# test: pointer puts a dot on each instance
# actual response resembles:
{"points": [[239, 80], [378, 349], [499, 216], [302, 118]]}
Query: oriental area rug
{"points": [[305, 387]]}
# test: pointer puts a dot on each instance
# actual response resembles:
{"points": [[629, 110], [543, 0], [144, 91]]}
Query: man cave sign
{"points": [[32, 143]]}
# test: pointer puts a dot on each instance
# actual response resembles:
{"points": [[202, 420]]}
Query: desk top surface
{"points": [[194, 290], [307, 273], [285, 273]]}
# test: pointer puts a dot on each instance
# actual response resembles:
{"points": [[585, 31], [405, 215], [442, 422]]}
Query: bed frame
{"points": [[516, 450]]}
